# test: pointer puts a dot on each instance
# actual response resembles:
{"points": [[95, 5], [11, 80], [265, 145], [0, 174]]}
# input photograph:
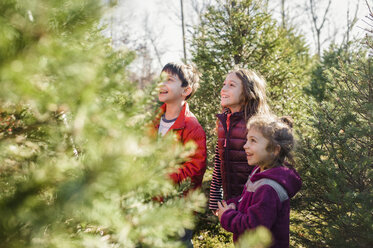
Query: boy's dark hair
{"points": [[188, 75]]}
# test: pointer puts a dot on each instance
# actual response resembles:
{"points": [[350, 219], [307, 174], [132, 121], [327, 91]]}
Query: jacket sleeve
{"points": [[196, 165], [216, 189], [263, 211], [234, 200]]}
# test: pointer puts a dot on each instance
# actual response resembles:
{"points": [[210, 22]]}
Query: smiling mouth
{"points": [[163, 92]]}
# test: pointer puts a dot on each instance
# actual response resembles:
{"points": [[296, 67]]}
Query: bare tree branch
{"points": [[350, 23], [183, 28], [317, 28]]}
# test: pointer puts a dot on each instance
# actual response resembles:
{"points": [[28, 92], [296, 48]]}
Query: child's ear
{"points": [[187, 91], [277, 150]]}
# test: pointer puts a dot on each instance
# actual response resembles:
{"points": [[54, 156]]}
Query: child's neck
{"points": [[173, 110], [235, 109], [263, 167]]}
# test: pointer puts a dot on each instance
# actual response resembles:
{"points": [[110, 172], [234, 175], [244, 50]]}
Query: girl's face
{"points": [[231, 93], [256, 149]]}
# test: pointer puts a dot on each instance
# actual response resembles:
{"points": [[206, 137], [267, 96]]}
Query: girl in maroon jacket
{"points": [[265, 200], [242, 95]]}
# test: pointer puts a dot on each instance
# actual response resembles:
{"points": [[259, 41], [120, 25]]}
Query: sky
{"points": [[135, 20]]}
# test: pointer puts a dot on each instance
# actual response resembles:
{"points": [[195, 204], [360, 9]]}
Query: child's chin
{"points": [[251, 163], [224, 104]]}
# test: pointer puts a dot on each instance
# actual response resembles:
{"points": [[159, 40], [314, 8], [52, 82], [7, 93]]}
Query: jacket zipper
{"points": [[228, 123], [225, 146]]}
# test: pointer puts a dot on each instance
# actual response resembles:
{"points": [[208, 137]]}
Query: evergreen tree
{"points": [[330, 59], [243, 33], [77, 166], [336, 159]]}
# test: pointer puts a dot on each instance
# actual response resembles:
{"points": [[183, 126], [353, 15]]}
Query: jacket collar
{"points": [[235, 116], [180, 121]]}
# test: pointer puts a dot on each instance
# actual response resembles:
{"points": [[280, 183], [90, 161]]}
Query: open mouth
{"points": [[162, 92], [224, 96]]}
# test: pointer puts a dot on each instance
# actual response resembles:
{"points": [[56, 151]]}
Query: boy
{"points": [[181, 83]]}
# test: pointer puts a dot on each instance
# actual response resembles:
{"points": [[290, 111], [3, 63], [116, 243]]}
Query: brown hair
{"points": [[253, 94], [278, 131], [188, 75]]}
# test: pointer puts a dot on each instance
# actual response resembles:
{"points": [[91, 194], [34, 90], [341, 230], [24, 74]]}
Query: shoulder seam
{"points": [[281, 192]]}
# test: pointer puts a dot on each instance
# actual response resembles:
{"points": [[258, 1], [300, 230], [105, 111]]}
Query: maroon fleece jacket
{"points": [[265, 201]]}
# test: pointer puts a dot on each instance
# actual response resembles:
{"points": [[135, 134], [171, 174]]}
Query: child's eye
{"points": [[253, 140]]}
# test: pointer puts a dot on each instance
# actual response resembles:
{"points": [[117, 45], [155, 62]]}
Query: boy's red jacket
{"points": [[188, 129]]}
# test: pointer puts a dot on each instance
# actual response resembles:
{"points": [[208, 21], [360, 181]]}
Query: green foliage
{"points": [[260, 237], [243, 33], [78, 168], [336, 201], [319, 83], [209, 233]]}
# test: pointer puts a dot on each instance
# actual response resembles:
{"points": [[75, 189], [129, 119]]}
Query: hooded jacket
{"points": [[265, 201], [188, 129]]}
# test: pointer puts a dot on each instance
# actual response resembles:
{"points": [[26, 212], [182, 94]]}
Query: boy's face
{"points": [[170, 91]]}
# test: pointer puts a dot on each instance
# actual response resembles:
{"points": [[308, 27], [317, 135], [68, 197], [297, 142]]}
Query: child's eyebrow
{"points": [[229, 81], [232, 81]]}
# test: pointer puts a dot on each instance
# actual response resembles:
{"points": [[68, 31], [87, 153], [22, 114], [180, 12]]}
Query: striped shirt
{"points": [[216, 189], [216, 186]]}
